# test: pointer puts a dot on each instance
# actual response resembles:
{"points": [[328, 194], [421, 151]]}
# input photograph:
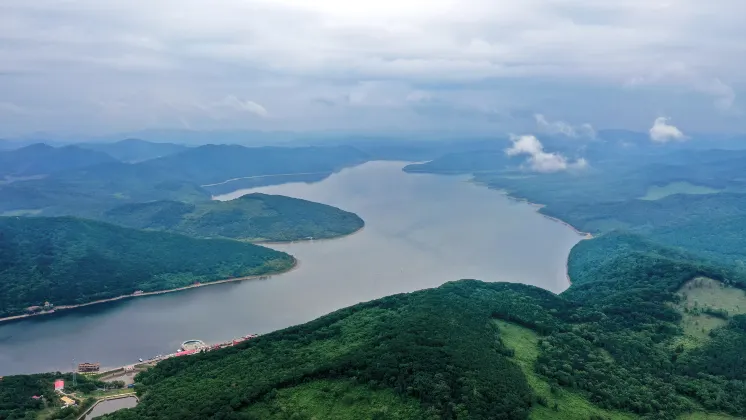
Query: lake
{"points": [[421, 231]]}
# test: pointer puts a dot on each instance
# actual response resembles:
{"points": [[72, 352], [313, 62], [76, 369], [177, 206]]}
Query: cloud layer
{"points": [[663, 132], [539, 160], [369, 63], [564, 128]]}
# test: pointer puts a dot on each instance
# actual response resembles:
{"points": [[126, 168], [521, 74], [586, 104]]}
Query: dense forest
{"points": [[17, 394], [609, 347], [68, 261], [252, 217]]}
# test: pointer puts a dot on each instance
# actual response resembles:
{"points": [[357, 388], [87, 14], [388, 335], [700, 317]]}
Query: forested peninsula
{"points": [[51, 262], [252, 217]]}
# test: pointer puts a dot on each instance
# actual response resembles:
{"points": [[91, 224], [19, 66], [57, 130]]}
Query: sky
{"points": [[94, 67]]}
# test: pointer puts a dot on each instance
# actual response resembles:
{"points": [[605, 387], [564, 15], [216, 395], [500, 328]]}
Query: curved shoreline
{"points": [[296, 264], [538, 207], [270, 242]]}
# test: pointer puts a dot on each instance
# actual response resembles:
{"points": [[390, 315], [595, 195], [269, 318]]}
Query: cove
{"points": [[421, 231]]}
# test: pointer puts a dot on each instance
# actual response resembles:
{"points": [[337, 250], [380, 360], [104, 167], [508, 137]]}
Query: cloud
{"points": [[11, 108], [242, 105], [680, 74], [226, 106], [561, 127], [663, 132], [540, 160], [557, 56]]}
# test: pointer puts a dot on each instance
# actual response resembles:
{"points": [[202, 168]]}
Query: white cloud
{"points": [[564, 128], [540, 160], [663, 132]]}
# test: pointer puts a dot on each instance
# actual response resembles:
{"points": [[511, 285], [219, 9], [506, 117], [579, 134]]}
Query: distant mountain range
{"points": [[88, 190], [135, 150], [41, 159]]}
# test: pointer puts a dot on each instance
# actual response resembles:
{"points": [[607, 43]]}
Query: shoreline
{"points": [[333, 238], [537, 207], [57, 309]]}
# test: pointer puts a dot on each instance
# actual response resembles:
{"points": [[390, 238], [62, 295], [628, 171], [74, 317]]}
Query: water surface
{"points": [[421, 231], [110, 406]]}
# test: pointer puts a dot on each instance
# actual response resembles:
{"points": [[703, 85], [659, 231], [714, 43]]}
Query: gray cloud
{"points": [[137, 63], [564, 128]]}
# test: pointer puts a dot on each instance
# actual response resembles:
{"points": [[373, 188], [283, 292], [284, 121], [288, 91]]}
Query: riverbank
{"points": [[57, 309], [333, 238], [537, 207]]}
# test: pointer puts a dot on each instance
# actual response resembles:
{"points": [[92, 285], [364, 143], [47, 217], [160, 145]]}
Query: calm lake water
{"points": [[110, 406], [421, 231]]}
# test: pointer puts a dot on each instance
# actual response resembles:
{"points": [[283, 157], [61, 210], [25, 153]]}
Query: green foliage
{"points": [[17, 392], [335, 400], [69, 261], [251, 217], [438, 347]]}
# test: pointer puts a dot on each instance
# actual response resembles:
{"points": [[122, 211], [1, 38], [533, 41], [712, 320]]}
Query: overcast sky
{"points": [[102, 66]]}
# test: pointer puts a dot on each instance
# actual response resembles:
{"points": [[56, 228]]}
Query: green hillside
{"points": [[252, 217], [608, 348], [69, 261]]}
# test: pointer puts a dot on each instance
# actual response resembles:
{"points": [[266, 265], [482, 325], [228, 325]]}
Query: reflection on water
{"points": [[421, 231]]}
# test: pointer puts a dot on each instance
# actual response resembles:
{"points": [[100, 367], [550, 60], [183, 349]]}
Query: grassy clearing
{"points": [[570, 405], [703, 294], [656, 192], [336, 400]]}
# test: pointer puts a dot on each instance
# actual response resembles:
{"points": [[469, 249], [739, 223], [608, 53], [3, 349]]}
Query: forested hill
{"points": [[252, 217], [135, 150], [217, 163], [619, 344], [90, 191], [68, 261], [41, 159]]}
